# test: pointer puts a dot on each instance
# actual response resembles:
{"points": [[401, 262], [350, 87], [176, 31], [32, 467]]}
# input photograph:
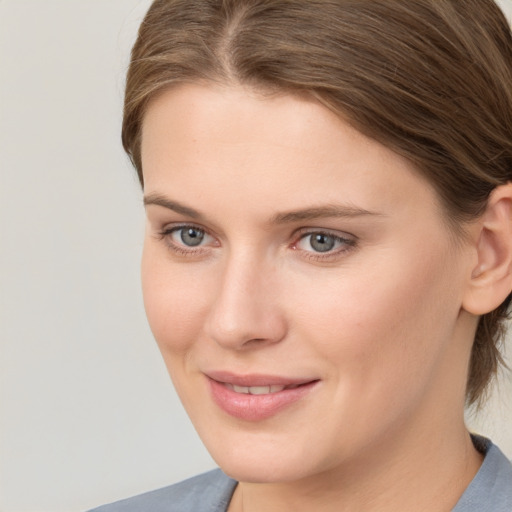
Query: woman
{"points": [[328, 257]]}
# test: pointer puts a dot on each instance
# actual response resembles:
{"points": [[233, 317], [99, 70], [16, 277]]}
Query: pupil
{"points": [[322, 243], [191, 236]]}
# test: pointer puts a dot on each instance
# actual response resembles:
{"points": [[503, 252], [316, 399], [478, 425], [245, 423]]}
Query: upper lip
{"points": [[256, 379]]}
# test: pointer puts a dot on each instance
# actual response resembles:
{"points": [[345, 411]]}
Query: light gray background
{"points": [[88, 414]]}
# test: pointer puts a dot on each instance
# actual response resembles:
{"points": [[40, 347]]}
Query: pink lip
{"points": [[256, 407]]}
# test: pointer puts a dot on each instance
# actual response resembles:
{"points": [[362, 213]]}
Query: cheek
{"points": [[375, 327], [175, 302]]}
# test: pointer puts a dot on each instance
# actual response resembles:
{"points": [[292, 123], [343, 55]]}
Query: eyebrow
{"points": [[320, 212], [163, 201]]}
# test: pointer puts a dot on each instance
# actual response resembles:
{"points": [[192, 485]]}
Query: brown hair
{"points": [[430, 79]]}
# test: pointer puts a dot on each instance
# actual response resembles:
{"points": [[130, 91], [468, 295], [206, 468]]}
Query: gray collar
{"points": [[491, 488]]}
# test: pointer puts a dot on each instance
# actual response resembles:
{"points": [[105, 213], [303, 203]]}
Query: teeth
{"points": [[259, 390], [256, 390], [240, 389]]}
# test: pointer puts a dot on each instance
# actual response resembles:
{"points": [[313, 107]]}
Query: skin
{"points": [[379, 320]]}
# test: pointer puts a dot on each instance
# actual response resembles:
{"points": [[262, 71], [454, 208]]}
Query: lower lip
{"points": [[249, 407]]}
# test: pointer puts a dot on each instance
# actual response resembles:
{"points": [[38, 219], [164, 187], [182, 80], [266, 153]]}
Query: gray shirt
{"points": [[489, 491]]}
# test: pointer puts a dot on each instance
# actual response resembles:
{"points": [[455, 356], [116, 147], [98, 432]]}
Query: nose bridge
{"points": [[245, 309]]}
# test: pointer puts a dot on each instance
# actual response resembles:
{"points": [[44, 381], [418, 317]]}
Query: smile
{"points": [[259, 390], [256, 398]]}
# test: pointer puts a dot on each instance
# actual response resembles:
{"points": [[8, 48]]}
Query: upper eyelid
{"points": [[348, 240], [176, 226], [160, 220], [343, 235]]}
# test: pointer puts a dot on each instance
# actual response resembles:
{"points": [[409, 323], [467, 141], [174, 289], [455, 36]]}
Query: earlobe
{"points": [[491, 277]]}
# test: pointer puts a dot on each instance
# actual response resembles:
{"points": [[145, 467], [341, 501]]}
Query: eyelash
{"points": [[347, 244], [182, 250]]}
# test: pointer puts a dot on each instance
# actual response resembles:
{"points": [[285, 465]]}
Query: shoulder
{"points": [[209, 492], [491, 488]]}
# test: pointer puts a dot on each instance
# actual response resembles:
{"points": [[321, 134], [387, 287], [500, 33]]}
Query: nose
{"points": [[245, 311]]}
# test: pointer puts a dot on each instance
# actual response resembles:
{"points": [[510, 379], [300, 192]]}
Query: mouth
{"points": [[257, 397], [260, 390]]}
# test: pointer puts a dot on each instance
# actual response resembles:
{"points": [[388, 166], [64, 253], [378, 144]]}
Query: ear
{"points": [[491, 277]]}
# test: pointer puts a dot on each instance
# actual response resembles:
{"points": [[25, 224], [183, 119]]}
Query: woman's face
{"points": [[300, 281]]}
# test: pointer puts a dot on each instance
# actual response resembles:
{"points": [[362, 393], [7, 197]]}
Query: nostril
{"points": [[256, 342]]}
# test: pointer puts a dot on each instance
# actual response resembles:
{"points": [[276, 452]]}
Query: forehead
{"points": [[203, 141]]}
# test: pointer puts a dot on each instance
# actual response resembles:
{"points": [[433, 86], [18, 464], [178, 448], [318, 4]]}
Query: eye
{"points": [[186, 239], [188, 235], [321, 243]]}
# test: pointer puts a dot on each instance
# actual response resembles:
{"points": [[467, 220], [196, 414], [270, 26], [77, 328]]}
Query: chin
{"points": [[265, 460], [263, 472]]}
